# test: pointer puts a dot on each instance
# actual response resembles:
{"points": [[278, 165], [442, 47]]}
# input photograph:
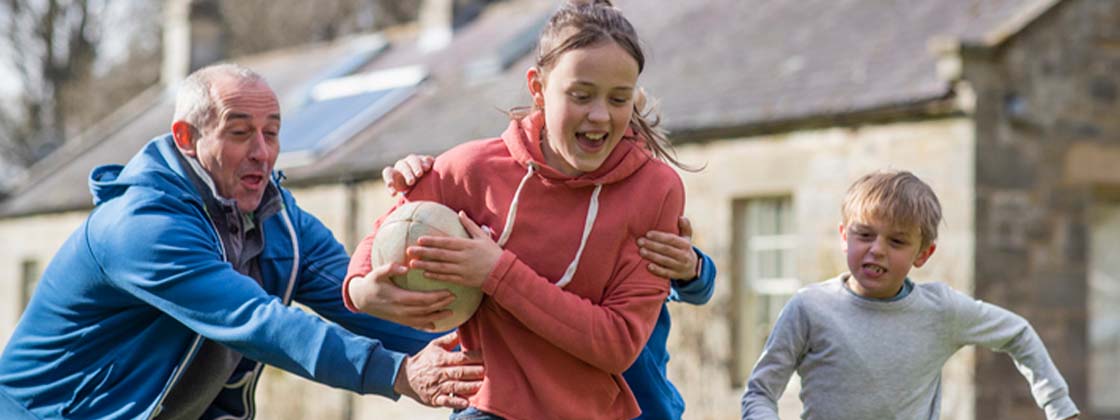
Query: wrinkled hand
{"points": [[671, 256], [440, 377], [403, 174], [377, 295], [457, 260]]}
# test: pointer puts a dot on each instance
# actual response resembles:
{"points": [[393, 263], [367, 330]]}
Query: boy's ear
{"points": [[924, 255], [843, 239], [184, 137], [535, 81]]}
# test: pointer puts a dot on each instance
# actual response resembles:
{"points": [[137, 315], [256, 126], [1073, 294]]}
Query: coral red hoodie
{"points": [[557, 351]]}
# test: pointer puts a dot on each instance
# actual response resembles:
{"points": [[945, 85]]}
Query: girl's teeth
{"points": [[595, 136]]}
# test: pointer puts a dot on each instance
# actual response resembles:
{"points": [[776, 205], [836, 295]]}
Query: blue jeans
{"points": [[471, 413]]}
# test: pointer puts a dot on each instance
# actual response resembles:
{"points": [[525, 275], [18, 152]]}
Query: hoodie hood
{"points": [[158, 165], [523, 139]]}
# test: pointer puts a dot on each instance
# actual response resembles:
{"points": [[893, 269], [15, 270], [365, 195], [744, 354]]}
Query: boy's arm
{"points": [[780, 358], [1001, 330]]}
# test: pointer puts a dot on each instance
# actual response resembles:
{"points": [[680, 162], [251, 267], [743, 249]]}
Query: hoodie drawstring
{"points": [[512, 216], [592, 214]]}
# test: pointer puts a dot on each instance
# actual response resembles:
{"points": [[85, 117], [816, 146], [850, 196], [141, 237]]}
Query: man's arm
{"points": [[998, 329]]}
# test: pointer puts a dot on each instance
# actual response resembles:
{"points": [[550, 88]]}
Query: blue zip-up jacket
{"points": [[125, 302], [657, 397]]}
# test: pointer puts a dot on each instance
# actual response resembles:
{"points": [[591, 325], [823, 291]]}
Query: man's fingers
{"points": [[669, 239], [652, 247], [451, 401], [662, 260], [659, 271], [447, 342], [685, 226]]}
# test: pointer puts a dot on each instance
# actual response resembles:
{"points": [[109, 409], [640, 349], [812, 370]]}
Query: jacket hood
{"points": [[157, 165], [523, 136]]}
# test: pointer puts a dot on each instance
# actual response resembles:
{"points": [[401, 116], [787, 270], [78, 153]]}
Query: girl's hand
{"points": [[377, 295], [403, 174], [457, 260], [671, 256]]}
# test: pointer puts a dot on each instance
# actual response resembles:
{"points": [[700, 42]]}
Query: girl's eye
{"points": [[620, 101], [579, 96]]}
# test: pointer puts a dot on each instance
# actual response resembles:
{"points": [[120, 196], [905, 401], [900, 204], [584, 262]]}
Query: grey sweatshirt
{"points": [[863, 359]]}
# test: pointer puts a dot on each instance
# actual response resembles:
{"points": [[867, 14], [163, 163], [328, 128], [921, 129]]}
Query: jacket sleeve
{"points": [[608, 335], [984, 324], [782, 354], [696, 291], [165, 254], [323, 263]]}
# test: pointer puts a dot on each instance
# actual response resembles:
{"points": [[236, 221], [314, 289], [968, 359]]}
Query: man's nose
{"points": [[258, 150]]}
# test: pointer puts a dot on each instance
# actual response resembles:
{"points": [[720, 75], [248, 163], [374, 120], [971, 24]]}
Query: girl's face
{"points": [[587, 98]]}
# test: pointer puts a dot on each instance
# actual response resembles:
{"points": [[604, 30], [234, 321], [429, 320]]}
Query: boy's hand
{"points": [[671, 256], [403, 174], [377, 295], [437, 376], [465, 261]]}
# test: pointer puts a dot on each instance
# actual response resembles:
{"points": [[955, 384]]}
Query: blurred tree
{"points": [[47, 45]]}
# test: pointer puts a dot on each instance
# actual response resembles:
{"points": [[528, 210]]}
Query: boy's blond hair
{"points": [[896, 197]]}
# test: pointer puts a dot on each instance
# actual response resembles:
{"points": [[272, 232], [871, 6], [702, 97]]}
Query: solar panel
{"points": [[338, 109]]}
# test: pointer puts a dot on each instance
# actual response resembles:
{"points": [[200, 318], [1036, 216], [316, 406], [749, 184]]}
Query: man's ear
{"points": [[184, 136], [535, 81], [924, 255]]}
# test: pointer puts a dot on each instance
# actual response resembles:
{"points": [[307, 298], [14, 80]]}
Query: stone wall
{"points": [[1047, 137]]}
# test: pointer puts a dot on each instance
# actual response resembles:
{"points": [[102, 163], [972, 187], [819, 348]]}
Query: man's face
{"points": [[241, 147]]}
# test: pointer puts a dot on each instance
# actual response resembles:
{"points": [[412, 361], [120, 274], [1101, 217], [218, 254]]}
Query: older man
{"points": [[171, 295]]}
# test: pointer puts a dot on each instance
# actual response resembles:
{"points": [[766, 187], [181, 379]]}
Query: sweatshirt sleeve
{"points": [[697, 291], [984, 324], [164, 254], [780, 357]]}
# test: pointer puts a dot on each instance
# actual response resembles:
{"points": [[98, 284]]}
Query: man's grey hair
{"points": [[195, 105]]}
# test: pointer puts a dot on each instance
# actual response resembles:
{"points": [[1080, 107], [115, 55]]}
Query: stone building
{"points": [[1007, 108]]}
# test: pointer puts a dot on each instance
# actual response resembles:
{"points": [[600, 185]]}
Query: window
{"points": [[1104, 311], [338, 109], [764, 274], [29, 278]]}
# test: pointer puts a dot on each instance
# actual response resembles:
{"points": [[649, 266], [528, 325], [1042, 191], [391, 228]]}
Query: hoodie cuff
{"points": [[346, 295], [498, 274], [1061, 409], [381, 372]]}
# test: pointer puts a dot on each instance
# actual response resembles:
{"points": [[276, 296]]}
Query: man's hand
{"points": [[403, 174], [465, 261], [440, 377], [377, 295], [671, 256]]}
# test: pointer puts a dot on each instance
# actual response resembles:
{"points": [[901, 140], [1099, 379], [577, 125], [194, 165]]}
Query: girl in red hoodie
{"points": [[567, 188]]}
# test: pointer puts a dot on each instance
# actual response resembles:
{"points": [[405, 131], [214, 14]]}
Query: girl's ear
{"points": [[535, 81]]}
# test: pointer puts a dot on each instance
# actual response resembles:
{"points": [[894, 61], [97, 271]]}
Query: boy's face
{"points": [[880, 256]]}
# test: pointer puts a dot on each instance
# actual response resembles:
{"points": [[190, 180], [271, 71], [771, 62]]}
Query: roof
{"points": [[713, 64]]}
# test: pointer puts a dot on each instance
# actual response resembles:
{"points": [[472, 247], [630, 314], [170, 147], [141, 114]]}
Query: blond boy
{"points": [[870, 343]]}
